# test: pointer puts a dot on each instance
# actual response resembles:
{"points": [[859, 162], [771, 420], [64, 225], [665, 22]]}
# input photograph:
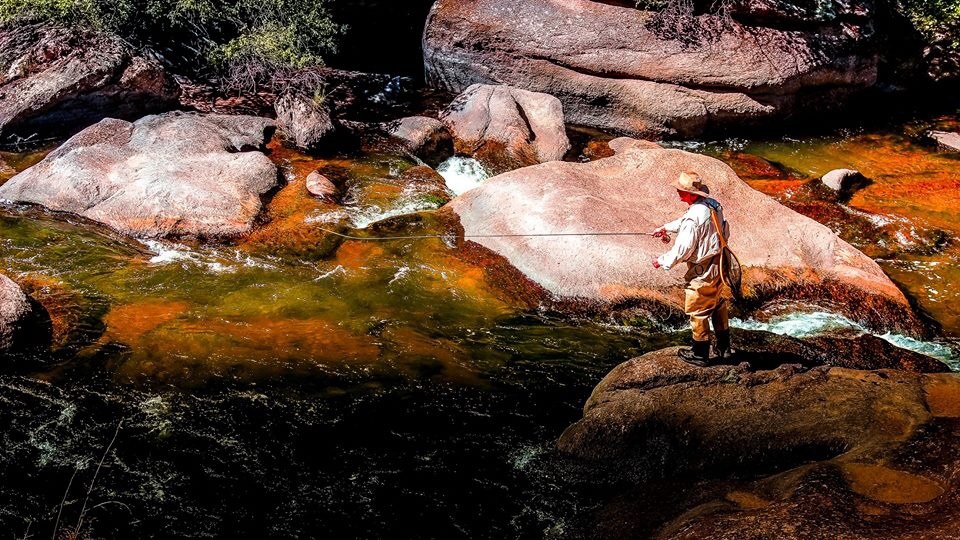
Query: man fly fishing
{"points": [[698, 243]]}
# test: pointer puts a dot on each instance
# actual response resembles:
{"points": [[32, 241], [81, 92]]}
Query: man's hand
{"points": [[661, 233], [656, 264]]}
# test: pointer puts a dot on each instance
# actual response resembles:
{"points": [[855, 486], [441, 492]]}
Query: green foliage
{"points": [[254, 38], [937, 20]]}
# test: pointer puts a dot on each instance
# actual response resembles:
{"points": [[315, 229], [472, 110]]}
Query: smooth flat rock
{"points": [[784, 253], [173, 174]]}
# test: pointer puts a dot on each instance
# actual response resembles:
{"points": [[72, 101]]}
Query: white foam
{"points": [[816, 323], [462, 174]]}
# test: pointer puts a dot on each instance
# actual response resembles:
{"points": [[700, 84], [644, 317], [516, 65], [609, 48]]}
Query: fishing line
{"points": [[469, 236]]}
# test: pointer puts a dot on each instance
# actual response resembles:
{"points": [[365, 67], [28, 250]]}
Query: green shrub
{"points": [[937, 20], [244, 43]]}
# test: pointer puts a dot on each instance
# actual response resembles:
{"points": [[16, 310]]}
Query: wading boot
{"points": [[698, 354], [722, 349]]}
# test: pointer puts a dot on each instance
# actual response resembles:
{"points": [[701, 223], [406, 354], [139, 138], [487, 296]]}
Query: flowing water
{"points": [[281, 386]]}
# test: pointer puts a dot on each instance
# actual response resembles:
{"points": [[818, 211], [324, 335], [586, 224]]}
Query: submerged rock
{"points": [[784, 253], [174, 174], [863, 451], [53, 79], [623, 69], [507, 128], [15, 311], [304, 121]]}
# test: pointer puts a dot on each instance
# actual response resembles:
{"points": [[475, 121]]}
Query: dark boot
{"points": [[722, 350], [698, 354]]}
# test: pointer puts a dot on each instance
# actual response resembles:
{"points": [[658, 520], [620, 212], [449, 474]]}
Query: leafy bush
{"points": [[243, 42], [937, 20]]}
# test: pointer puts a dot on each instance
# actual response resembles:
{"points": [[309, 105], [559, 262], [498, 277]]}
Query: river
{"points": [[262, 390]]}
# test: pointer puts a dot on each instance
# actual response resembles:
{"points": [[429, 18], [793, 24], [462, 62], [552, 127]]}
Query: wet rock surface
{"points": [[174, 174], [633, 192], [507, 128], [620, 68], [54, 79], [809, 453], [15, 311]]}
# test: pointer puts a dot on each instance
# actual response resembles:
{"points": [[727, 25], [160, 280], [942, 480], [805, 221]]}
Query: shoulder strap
{"points": [[718, 227]]}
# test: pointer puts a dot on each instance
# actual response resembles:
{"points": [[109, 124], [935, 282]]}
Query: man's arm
{"points": [[683, 248]]}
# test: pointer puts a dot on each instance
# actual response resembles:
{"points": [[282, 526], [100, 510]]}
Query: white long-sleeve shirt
{"points": [[697, 241]]}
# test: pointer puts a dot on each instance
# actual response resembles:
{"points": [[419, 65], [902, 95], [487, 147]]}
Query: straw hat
{"points": [[690, 182]]}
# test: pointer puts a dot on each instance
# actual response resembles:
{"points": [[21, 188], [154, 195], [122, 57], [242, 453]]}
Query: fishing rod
{"points": [[664, 237]]}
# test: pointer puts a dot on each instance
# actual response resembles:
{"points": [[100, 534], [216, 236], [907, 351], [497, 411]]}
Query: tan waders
{"points": [[704, 304]]}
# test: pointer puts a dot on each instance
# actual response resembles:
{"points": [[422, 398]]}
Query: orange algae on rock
{"points": [[128, 323], [190, 349]]}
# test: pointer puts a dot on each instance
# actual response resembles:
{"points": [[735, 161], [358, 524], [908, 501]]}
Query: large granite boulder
{"points": [[174, 174], [15, 310], [826, 452], [507, 128], [784, 253], [620, 68], [54, 79]]}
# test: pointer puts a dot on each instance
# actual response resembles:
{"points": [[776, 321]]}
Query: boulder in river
{"points": [[507, 128], [947, 139], [844, 182], [624, 69], [817, 453], [425, 137], [321, 187], [304, 121], [784, 253], [174, 174], [53, 79], [15, 311]]}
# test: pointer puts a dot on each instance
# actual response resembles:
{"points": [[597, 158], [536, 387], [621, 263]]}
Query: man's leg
{"points": [[721, 327], [699, 303]]}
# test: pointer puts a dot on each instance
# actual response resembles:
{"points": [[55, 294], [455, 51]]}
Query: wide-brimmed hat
{"points": [[690, 182]]}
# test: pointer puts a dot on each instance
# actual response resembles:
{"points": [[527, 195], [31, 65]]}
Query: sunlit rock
{"points": [[174, 174], [784, 253], [507, 128], [947, 139]]}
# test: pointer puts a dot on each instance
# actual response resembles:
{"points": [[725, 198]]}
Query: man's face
{"points": [[686, 196]]}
